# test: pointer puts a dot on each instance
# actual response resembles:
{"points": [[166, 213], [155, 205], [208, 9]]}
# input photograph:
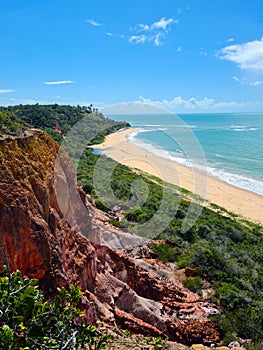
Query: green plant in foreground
{"points": [[28, 321]]}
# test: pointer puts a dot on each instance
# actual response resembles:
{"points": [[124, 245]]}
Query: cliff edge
{"points": [[119, 289]]}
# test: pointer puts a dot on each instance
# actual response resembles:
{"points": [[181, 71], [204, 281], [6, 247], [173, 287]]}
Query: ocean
{"points": [[231, 144]]}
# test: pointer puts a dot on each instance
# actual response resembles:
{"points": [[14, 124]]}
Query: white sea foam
{"points": [[242, 128], [240, 181], [153, 125], [179, 157]]}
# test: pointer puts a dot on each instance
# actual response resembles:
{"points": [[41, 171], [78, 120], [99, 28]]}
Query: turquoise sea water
{"points": [[232, 144]]}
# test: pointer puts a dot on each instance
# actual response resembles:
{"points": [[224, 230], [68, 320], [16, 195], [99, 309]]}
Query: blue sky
{"points": [[185, 56]]}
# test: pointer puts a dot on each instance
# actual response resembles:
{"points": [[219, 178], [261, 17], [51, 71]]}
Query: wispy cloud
{"points": [[59, 82], [163, 24], [256, 83], [203, 53], [239, 80], [94, 23], [121, 36], [6, 91], [230, 40], [247, 56], [157, 39], [138, 39], [154, 33], [245, 81], [236, 79]]}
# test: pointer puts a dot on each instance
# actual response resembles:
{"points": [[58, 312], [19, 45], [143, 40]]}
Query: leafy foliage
{"points": [[10, 124], [28, 321], [57, 120], [193, 283], [158, 343], [223, 251]]}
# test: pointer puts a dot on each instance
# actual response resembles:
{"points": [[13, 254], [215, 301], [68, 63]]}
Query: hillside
{"points": [[57, 120], [225, 251], [160, 287], [135, 293]]}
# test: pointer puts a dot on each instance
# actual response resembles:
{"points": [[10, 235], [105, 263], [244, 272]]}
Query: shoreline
{"points": [[234, 199]]}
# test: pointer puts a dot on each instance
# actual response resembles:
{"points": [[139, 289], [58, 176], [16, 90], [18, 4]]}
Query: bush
{"points": [[193, 283], [166, 252], [10, 125], [28, 321]]}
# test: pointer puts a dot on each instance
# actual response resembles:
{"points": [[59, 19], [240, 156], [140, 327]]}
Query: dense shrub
{"points": [[193, 283], [223, 251], [28, 321], [10, 124]]}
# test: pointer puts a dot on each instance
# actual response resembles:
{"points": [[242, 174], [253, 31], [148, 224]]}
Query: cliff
{"points": [[133, 291]]}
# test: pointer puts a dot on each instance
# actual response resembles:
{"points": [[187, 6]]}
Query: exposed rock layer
{"points": [[38, 240]]}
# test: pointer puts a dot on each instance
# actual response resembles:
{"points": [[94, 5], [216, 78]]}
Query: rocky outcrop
{"points": [[36, 237]]}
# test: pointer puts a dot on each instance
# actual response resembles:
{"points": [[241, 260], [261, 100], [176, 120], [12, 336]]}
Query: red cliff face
{"points": [[38, 241]]}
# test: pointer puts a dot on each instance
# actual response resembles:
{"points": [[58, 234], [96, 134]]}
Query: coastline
{"points": [[234, 199]]}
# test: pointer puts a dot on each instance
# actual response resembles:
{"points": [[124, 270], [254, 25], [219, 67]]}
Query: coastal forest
{"points": [[224, 250]]}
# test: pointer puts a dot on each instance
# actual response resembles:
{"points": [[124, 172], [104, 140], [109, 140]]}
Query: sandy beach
{"points": [[236, 200]]}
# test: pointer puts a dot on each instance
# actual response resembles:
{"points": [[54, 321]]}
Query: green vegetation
{"points": [[225, 252], [158, 343], [193, 283], [57, 120], [28, 321], [10, 124]]}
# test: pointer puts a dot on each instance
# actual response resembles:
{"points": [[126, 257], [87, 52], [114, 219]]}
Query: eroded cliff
{"points": [[132, 291]]}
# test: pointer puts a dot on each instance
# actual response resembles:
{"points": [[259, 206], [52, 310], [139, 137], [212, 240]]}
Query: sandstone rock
{"points": [[50, 232], [199, 347]]}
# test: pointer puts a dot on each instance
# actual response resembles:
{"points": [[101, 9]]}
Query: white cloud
{"points": [[138, 39], [244, 81], [157, 40], [181, 105], [192, 105], [241, 81], [116, 35], [236, 79], [93, 23], [230, 40], [152, 33], [256, 83], [144, 27], [6, 91], [59, 82], [163, 23], [179, 49], [247, 55]]}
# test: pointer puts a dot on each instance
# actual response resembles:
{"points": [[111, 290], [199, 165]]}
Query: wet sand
{"points": [[236, 200]]}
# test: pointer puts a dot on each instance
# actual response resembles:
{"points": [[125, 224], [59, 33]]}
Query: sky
{"points": [[185, 56]]}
